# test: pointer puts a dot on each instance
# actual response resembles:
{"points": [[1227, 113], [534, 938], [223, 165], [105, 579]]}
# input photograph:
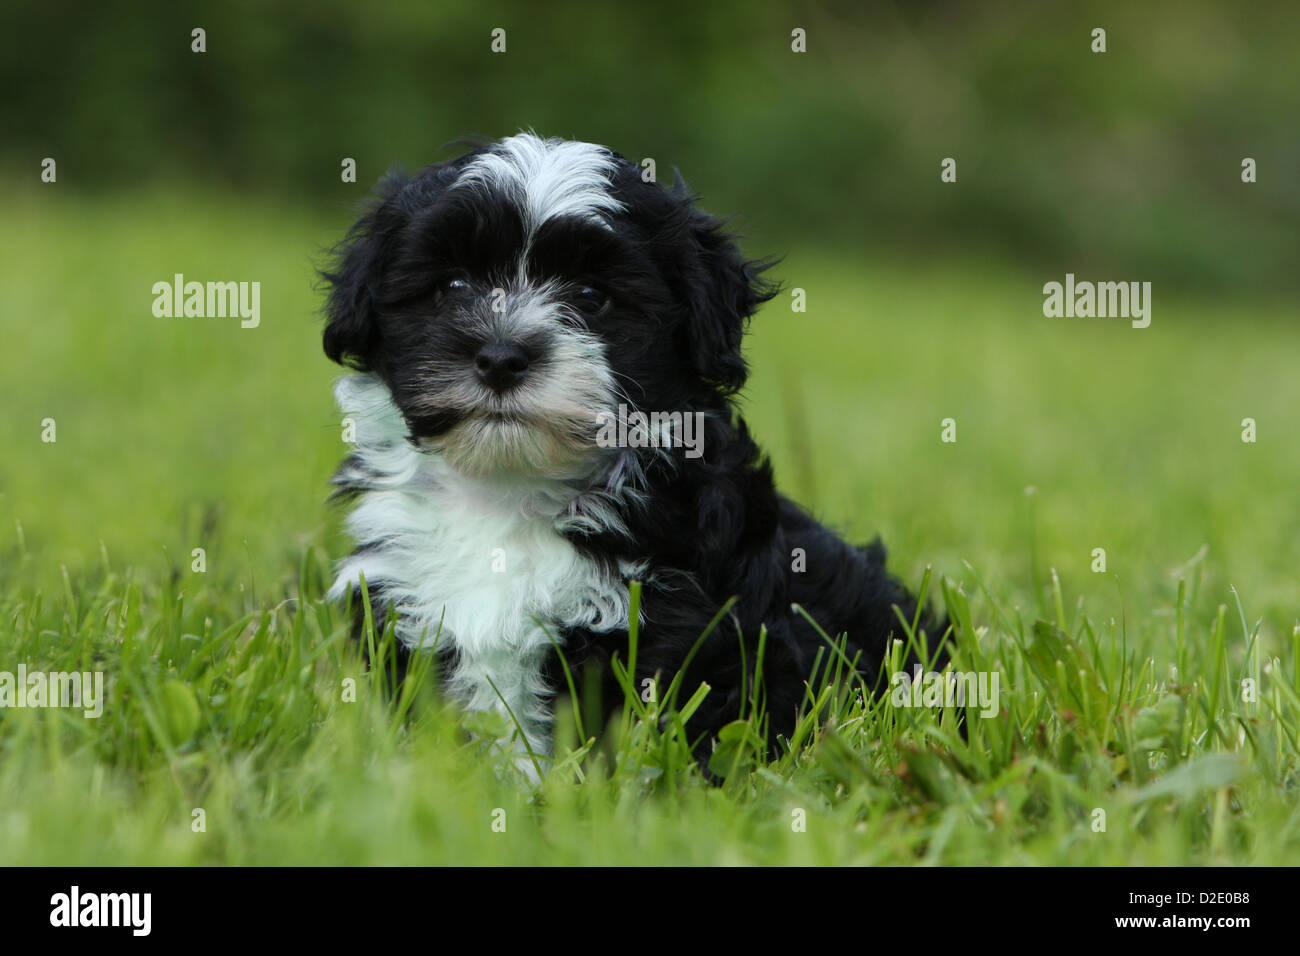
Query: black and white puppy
{"points": [[509, 313]]}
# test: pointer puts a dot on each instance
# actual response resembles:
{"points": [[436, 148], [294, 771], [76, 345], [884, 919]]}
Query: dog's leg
{"points": [[510, 683]]}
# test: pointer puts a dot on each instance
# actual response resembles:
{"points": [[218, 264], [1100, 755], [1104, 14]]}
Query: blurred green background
{"points": [[924, 298], [1127, 160]]}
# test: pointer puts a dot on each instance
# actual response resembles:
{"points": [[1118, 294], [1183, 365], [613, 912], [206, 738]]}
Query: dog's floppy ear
{"points": [[722, 289], [351, 332]]}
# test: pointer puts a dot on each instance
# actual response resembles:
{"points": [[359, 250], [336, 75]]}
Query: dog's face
{"points": [[510, 296]]}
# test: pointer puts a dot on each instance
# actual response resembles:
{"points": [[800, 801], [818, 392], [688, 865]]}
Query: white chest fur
{"points": [[474, 564]]}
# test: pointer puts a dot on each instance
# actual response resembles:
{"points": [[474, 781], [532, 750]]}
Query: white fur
{"points": [[554, 411], [473, 563], [548, 178]]}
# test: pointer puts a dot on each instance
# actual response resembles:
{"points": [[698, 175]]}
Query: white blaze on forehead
{"points": [[547, 178]]}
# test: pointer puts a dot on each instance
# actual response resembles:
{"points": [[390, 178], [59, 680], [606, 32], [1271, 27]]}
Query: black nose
{"points": [[500, 365]]}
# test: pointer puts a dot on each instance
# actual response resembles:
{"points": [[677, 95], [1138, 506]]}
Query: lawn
{"points": [[1150, 710]]}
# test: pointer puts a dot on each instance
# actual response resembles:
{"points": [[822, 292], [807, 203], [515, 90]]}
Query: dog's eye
{"points": [[452, 287], [590, 301]]}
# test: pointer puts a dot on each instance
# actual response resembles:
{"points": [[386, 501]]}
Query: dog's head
{"points": [[510, 296]]}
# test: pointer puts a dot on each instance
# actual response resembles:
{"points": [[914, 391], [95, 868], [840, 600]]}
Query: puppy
{"points": [[546, 349]]}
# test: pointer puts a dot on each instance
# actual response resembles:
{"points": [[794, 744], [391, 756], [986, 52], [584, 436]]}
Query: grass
{"points": [[1121, 690]]}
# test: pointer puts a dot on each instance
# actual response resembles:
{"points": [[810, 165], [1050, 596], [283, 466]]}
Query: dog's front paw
{"points": [[518, 756]]}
